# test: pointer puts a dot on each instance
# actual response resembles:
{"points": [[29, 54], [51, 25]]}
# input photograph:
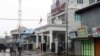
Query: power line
{"points": [[21, 19]]}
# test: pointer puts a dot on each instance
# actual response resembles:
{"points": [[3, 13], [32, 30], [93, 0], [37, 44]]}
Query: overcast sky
{"points": [[31, 9]]}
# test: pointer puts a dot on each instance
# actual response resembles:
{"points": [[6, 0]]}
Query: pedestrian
{"points": [[14, 50], [19, 50], [60, 49], [11, 50], [4, 48]]}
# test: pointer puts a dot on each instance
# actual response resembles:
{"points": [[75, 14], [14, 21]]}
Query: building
{"points": [[30, 42], [9, 40], [20, 35], [54, 31], [3, 41], [88, 34]]}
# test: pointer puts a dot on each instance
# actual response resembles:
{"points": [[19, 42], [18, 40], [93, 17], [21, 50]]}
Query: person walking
{"points": [[11, 50], [19, 50]]}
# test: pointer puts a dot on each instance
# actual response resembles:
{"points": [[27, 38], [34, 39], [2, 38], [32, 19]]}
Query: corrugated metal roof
{"points": [[92, 6]]}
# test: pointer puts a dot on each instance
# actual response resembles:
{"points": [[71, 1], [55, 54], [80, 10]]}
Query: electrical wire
{"points": [[21, 19]]}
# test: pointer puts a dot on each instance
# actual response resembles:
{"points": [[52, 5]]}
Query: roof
{"points": [[50, 25], [92, 6]]}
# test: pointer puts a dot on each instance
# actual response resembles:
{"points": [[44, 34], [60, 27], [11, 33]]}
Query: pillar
{"points": [[51, 37], [42, 41], [37, 40], [56, 45], [42, 38]]}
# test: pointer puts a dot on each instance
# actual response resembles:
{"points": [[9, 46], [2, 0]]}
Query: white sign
{"points": [[96, 31], [72, 35]]}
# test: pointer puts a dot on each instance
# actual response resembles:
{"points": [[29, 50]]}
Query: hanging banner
{"points": [[82, 32], [96, 31]]}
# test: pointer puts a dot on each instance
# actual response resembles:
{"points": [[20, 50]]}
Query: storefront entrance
{"points": [[97, 46]]}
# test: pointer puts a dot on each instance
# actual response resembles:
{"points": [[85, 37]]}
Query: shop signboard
{"points": [[82, 32], [96, 31], [58, 8]]}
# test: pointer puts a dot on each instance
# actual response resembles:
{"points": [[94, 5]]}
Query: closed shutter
{"points": [[87, 48]]}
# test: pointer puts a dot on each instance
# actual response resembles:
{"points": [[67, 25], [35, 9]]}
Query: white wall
{"points": [[73, 4], [71, 19]]}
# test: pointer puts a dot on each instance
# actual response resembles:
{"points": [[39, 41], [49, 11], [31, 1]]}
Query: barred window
{"points": [[78, 17], [80, 1], [91, 1]]}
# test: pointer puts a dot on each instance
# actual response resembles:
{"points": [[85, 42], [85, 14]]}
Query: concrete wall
{"points": [[74, 4], [91, 18], [49, 20], [71, 19]]}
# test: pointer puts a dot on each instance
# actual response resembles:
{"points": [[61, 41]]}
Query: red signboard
{"points": [[58, 9], [98, 30]]}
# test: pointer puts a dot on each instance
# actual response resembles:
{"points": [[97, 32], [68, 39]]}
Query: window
{"points": [[78, 17], [39, 38], [62, 18], [80, 1], [53, 21], [91, 1]]}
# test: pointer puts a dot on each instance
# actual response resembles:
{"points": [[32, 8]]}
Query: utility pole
{"points": [[20, 14], [66, 34], [6, 38]]}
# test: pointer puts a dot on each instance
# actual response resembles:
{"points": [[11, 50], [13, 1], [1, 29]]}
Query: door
{"points": [[87, 48], [97, 46]]}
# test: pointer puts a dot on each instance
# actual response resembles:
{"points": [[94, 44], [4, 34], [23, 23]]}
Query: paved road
{"points": [[25, 53], [8, 54], [4, 54]]}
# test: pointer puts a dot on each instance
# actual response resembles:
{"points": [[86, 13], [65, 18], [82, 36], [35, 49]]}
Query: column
{"points": [[48, 42], [37, 40], [48, 39], [56, 45], [42, 41], [42, 37], [51, 37]]}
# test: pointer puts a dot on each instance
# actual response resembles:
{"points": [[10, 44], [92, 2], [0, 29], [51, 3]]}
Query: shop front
{"points": [[96, 35], [52, 35], [87, 47], [86, 43], [97, 46]]}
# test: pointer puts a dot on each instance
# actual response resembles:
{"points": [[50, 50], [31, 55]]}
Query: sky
{"points": [[31, 9]]}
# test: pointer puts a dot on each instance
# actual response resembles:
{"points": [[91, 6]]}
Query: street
{"points": [[8, 54], [28, 54], [24, 53], [4, 54]]}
